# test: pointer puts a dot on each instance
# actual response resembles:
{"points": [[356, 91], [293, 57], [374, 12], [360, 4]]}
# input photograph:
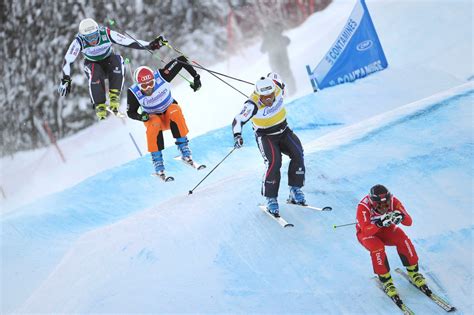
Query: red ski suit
{"points": [[375, 238]]}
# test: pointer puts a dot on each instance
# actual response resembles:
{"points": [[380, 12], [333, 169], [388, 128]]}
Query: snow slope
{"points": [[119, 241], [215, 252]]}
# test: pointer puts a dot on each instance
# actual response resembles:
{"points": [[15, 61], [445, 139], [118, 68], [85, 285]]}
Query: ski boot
{"points": [[388, 285], [272, 206], [183, 147], [158, 163], [417, 279], [100, 111], [114, 100], [296, 196]]}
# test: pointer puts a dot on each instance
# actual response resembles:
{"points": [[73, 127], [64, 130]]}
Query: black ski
{"points": [[395, 299], [427, 291], [277, 218]]}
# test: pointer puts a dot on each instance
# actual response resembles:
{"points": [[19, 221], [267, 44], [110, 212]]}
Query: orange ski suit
{"points": [[172, 119]]}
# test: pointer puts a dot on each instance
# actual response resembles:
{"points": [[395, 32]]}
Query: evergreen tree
{"points": [[36, 35]]}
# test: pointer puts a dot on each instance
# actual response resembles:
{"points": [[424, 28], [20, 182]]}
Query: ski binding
{"points": [[116, 114], [445, 305], [163, 177], [395, 299], [191, 163]]}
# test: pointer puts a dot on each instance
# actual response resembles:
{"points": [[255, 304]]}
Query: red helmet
{"points": [[145, 78]]}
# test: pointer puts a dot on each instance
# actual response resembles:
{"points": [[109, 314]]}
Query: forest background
{"points": [[37, 34]]}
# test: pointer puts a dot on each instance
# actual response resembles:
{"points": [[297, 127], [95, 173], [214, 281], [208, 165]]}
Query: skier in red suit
{"points": [[378, 217]]}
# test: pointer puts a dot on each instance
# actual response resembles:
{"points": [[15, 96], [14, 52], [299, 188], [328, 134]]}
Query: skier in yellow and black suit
{"points": [[266, 109]]}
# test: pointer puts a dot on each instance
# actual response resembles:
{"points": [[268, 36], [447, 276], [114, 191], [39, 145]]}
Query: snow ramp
{"points": [[216, 252]]}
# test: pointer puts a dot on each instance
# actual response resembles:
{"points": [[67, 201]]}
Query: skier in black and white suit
{"points": [[100, 63]]}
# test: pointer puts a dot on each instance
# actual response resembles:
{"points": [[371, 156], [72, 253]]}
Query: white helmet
{"points": [[264, 86], [89, 31], [88, 26], [276, 78]]}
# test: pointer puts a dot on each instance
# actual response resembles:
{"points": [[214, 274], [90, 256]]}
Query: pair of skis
{"points": [[191, 163], [285, 223], [162, 175], [445, 305]]}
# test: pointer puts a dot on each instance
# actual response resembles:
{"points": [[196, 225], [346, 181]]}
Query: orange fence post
{"points": [[52, 138]]}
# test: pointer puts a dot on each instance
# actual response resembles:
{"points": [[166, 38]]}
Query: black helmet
{"points": [[380, 198]]}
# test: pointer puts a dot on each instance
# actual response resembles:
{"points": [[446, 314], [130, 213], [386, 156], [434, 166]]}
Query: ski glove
{"points": [[196, 85], [238, 141], [65, 86], [397, 217], [158, 42], [384, 221], [145, 117]]}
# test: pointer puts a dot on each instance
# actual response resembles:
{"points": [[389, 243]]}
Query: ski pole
{"points": [[212, 72], [206, 69], [347, 224], [191, 191], [136, 146], [127, 62], [113, 23]]}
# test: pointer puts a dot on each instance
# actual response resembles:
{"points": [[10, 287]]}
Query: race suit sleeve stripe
{"points": [[122, 40], [249, 110], [364, 219]]}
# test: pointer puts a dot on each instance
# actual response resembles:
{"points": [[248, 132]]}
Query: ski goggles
{"points": [[144, 86], [267, 100], [91, 38], [381, 202]]}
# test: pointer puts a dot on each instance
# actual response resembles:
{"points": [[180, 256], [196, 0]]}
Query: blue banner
{"points": [[356, 53]]}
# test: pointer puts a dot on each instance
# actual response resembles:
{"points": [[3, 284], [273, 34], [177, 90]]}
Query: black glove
{"points": [[158, 42], [238, 141], [196, 85], [397, 217], [65, 86], [384, 220], [145, 117]]}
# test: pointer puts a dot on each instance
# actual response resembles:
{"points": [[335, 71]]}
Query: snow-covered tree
{"points": [[36, 34]]}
